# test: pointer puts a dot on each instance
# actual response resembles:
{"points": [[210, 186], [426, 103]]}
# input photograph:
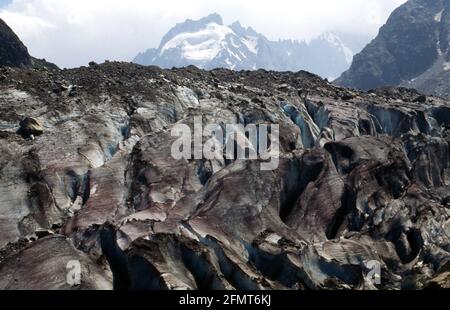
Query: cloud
{"points": [[28, 26], [71, 33]]}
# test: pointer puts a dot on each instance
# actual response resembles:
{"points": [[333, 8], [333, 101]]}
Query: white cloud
{"points": [[28, 26], [71, 33]]}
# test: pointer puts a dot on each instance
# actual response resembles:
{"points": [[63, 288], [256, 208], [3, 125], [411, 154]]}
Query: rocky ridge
{"points": [[14, 53], [363, 177], [412, 50]]}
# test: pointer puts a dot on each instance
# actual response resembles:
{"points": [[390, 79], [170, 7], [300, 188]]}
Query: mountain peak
{"points": [[207, 43], [237, 27], [241, 30], [209, 19], [190, 25], [410, 50], [212, 18]]}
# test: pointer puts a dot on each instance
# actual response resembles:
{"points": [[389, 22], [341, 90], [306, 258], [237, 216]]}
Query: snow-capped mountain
{"points": [[207, 43]]}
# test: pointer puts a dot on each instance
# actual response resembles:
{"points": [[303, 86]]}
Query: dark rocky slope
{"points": [[13, 53], [363, 177], [412, 49]]}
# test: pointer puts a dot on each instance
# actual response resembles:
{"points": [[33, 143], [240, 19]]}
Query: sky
{"points": [[72, 33], [4, 2]]}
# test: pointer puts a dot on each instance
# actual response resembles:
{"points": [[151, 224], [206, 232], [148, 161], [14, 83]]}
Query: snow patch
{"points": [[438, 16], [203, 45], [230, 64], [446, 66], [251, 43], [337, 42], [438, 46], [235, 56]]}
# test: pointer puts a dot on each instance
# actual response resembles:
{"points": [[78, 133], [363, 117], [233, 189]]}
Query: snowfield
{"points": [[203, 45]]}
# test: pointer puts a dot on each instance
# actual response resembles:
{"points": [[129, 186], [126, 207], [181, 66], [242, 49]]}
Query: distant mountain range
{"points": [[412, 50], [207, 43]]}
